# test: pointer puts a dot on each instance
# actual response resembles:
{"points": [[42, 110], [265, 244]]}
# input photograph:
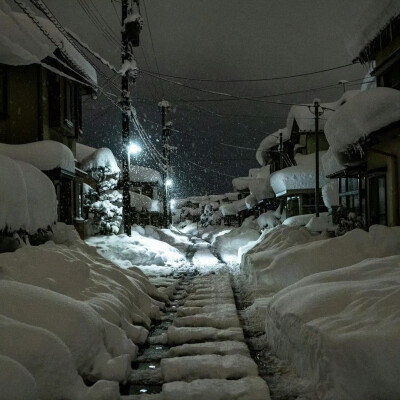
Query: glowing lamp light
{"points": [[134, 148], [169, 182]]}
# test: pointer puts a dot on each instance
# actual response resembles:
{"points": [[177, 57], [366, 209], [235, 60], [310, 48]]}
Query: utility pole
{"points": [[280, 150], [130, 38], [316, 114], [164, 107], [126, 105]]}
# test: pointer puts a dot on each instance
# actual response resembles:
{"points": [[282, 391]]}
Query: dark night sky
{"points": [[218, 39]]}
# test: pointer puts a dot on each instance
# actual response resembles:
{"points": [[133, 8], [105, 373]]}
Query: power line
{"points": [[256, 99], [152, 44], [252, 80]]}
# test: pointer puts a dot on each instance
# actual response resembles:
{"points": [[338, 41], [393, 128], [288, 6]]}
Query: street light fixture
{"points": [[134, 148], [169, 182]]}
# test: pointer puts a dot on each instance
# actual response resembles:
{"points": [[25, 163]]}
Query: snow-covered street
{"points": [[199, 200]]}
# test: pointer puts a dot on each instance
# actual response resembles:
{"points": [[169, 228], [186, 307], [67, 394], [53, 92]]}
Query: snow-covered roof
{"points": [[258, 183], [299, 177], [375, 17], [268, 142], [140, 201], [44, 155], [241, 183], [23, 43], [362, 115], [330, 163], [92, 159], [305, 118], [138, 173], [233, 208], [27, 197]]}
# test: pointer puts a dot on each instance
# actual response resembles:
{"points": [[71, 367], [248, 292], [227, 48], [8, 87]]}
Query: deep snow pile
{"points": [[362, 115], [27, 197], [127, 251], [296, 262], [65, 311], [340, 329], [228, 245], [271, 244]]}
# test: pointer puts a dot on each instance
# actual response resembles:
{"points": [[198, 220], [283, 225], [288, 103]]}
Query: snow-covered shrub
{"points": [[210, 216], [104, 205]]}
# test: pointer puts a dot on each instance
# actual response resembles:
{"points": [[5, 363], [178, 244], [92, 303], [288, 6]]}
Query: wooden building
{"points": [[41, 97]]}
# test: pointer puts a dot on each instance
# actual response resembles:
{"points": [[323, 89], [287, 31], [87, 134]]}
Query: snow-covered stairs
{"points": [[203, 355]]}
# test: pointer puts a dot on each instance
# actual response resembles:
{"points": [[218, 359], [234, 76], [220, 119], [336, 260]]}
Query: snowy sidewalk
{"points": [[198, 351]]}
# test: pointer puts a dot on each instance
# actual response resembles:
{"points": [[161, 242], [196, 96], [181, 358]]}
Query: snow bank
{"points": [[138, 173], [340, 329], [27, 199], [45, 362], [362, 115], [302, 260], [74, 322], [301, 176], [86, 303], [271, 244], [44, 155], [22, 43], [16, 382], [227, 246], [268, 220], [127, 251], [102, 158]]}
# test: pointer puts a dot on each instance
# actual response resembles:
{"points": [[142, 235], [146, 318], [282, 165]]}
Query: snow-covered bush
{"points": [[211, 215], [104, 205]]}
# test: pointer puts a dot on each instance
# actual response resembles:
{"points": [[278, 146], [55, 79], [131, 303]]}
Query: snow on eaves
{"points": [[305, 118], [23, 43], [362, 115], [375, 17], [96, 158], [44, 155], [268, 142], [233, 208], [299, 177], [138, 173]]}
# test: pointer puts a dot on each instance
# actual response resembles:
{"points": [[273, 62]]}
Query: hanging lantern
{"points": [[133, 25]]}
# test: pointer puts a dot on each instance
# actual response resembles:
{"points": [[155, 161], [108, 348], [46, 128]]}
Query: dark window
{"points": [[377, 200], [69, 103], [3, 91], [53, 87], [349, 193]]}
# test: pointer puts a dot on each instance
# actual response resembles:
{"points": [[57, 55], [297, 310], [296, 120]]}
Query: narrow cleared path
{"points": [[198, 349]]}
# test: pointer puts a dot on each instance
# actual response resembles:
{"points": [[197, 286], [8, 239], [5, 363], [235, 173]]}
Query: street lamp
{"points": [[169, 182], [134, 148]]}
